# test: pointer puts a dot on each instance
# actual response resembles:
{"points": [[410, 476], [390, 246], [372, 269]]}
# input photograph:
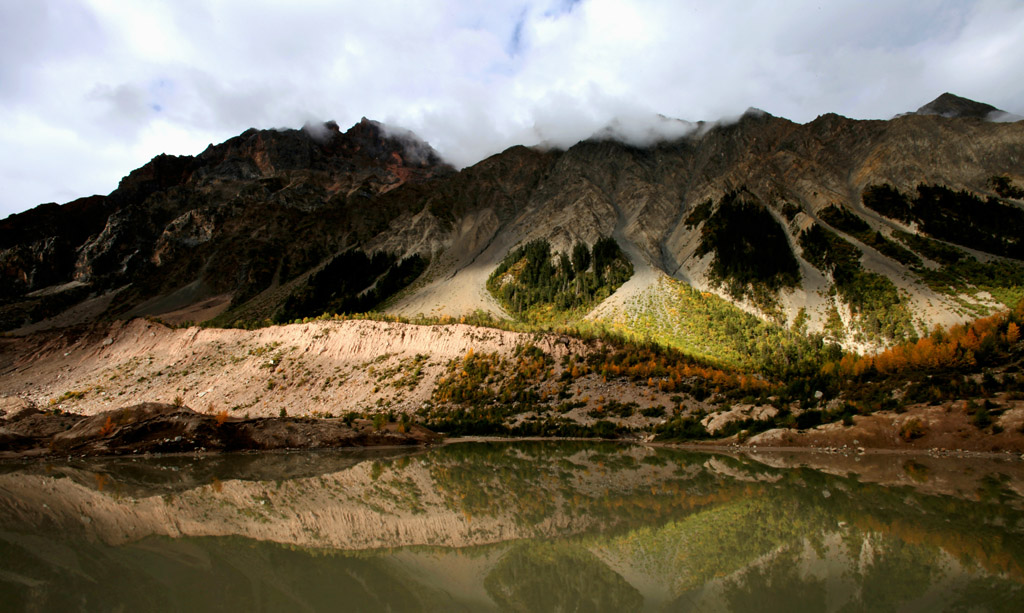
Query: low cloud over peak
{"points": [[90, 90]]}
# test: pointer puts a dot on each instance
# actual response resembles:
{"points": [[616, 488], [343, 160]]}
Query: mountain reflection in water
{"points": [[521, 526]]}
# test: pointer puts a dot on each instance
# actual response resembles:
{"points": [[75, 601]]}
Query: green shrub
{"points": [[912, 429], [809, 419], [680, 428], [654, 411], [981, 418]]}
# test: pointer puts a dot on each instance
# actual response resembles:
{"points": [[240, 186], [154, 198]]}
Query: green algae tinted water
{"points": [[538, 526]]}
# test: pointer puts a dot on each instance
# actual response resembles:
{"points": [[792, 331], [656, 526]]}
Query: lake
{"points": [[517, 526]]}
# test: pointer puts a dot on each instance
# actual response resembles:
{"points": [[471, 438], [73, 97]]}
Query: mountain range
{"points": [[867, 232]]}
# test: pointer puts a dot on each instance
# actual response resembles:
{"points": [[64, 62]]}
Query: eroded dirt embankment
{"points": [[302, 369], [317, 369], [329, 369]]}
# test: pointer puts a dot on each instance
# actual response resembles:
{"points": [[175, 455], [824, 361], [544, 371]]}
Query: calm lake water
{"points": [[526, 526]]}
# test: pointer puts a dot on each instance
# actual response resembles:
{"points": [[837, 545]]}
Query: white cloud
{"points": [[91, 89]]}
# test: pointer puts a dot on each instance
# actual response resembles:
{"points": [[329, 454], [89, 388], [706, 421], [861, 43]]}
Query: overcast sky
{"points": [[91, 89]]}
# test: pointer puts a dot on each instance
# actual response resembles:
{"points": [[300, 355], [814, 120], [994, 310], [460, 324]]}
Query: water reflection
{"points": [[514, 526]]}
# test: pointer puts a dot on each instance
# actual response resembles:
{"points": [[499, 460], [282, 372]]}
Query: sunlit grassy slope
{"points": [[705, 326]]}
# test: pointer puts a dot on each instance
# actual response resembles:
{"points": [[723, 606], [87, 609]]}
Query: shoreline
{"points": [[159, 428], [747, 449], [85, 437]]}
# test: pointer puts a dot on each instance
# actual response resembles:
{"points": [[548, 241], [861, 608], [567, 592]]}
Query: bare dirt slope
{"points": [[320, 367], [644, 277], [330, 368]]}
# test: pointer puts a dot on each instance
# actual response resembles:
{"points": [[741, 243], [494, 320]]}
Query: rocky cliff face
{"points": [[246, 224], [252, 212]]}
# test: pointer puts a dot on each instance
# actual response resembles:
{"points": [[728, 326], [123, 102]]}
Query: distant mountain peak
{"points": [[951, 105], [379, 139]]}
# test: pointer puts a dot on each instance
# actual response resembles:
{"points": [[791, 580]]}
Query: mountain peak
{"points": [[380, 140], [951, 105]]}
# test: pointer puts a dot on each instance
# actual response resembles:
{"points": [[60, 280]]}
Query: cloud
{"points": [[91, 89]]}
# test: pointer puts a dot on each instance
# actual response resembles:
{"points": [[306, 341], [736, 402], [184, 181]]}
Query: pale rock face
{"points": [[716, 421]]}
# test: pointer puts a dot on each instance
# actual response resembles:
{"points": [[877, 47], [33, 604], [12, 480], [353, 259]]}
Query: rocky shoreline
{"points": [[161, 428], [152, 427]]}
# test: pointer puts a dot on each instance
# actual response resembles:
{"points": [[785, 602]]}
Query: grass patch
{"points": [[709, 328]]}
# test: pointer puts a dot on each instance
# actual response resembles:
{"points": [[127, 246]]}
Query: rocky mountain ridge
{"points": [[250, 228]]}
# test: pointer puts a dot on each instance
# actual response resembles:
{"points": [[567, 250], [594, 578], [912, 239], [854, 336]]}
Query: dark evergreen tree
{"points": [[352, 282], [580, 257], [529, 277]]}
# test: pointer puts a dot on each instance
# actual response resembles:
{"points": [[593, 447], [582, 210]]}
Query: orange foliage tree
{"points": [[959, 345]]}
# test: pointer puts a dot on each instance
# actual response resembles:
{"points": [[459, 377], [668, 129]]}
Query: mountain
{"points": [[226, 222], [865, 231], [951, 105]]}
